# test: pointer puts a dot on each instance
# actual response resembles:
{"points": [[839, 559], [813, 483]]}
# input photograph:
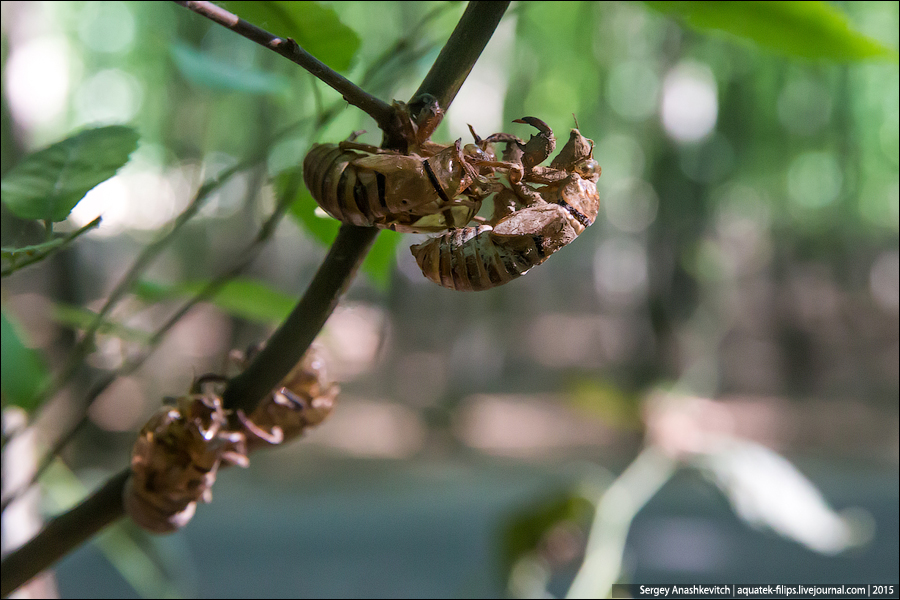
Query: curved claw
{"points": [[536, 123], [539, 147]]}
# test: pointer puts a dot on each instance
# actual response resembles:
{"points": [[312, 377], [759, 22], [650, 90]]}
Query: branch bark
{"points": [[65, 532], [291, 50]]}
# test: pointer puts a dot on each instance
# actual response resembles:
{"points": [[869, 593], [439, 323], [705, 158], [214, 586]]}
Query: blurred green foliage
{"points": [[316, 28], [24, 369], [813, 30]]}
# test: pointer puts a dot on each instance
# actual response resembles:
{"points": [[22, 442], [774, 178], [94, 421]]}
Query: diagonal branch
{"points": [[291, 50], [67, 531], [459, 54], [289, 343], [46, 250]]}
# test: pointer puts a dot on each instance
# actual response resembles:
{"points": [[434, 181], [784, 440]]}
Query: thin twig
{"points": [[144, 259], [615, 511], [57, 246], [291, 50], [85, 343]]}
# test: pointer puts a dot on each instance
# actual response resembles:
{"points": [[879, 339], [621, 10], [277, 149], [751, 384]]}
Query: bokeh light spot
{"points": [[631, 205], [110, 96], [690, 106], [37, 80], [620, 270]]}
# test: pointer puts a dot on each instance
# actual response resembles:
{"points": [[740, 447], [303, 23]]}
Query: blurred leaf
{"points": [[379, 261], [49, 183], [126, 546], [77, 317], [206, 71], [22, 369], [154, 291], [245, 298], [813, 30], [317, 29], [766, 490]]}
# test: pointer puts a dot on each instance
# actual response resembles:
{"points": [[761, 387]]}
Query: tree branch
{"points": [[45, 250], [65, 532], [289, 343], [291, 50], [459, 54], [75, 526], [208, 291]]}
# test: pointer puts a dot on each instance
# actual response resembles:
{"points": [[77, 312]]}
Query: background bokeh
{"points": [[744, 265]]}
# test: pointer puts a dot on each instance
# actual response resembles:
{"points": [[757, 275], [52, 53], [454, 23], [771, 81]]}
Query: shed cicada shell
{"points": [[429, 188], [371, 187], [303, 399], [544, 209], [179, 451], [175, 460]]}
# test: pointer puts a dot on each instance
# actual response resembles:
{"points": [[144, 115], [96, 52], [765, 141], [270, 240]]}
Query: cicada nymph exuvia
{"points": [[303, 399], [430, 188], [369, 187], [179, 451], [528, 224], [175, 460]]}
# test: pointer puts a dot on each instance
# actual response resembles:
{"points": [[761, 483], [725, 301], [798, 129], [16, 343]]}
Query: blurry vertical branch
{"points": [[293, 337]]}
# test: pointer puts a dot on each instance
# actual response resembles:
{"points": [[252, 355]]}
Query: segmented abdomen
{"points": [[474, 259], [348, 194]]}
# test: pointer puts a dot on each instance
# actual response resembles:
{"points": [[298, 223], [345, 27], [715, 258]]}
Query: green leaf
{"points": [[23, 372], [245, 298], [322, 227], [317, 29], [207, 71], [49, 183], [814, 30], [379, 262]]}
